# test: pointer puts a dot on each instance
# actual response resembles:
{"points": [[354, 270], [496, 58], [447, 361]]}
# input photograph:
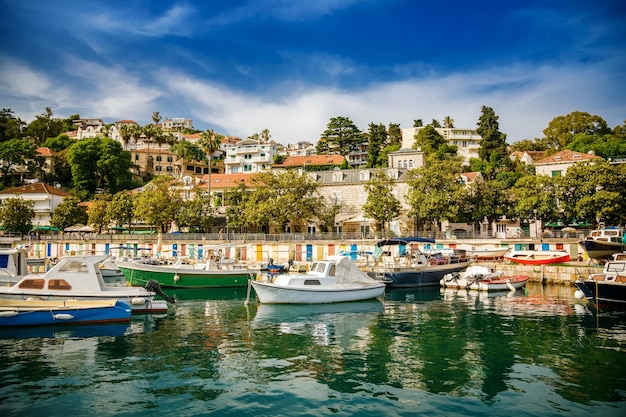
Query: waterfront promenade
{"points": [[302, 248]]}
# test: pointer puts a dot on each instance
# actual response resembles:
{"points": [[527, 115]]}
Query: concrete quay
{"points": [[302, 251]]}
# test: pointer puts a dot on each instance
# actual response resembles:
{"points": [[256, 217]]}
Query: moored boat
{"points": [[464, 278], [13, 264], [607, 287], [604, 243], [487, 253], [399, 263], [79, 277], [332, 280], [180, 275], [501, 283], [537, 257], [20, 313]]}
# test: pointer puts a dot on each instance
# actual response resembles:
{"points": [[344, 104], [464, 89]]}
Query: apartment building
{"points": [[249, 156], [466, 140]]}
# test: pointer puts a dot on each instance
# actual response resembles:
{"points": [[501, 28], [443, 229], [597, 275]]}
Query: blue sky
{"points": [[241, 66]]}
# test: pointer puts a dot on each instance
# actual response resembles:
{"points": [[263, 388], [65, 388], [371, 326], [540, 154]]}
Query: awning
{"points": [[404, 241], [78, 228], [50, 228]]}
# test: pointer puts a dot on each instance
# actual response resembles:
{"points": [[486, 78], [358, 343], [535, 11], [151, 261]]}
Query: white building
{"points": [[467, 141], [45, 197], [249, 156]]}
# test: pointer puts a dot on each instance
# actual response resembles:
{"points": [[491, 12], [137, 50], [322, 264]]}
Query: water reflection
{"points": [[531, 352]]}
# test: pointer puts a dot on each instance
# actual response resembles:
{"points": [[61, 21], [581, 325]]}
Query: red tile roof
{"points": [[35, 188], [294, 161], [566, 156], [43, 151]]}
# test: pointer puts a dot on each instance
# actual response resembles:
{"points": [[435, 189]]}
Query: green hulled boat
{"points": [[186, 276]]}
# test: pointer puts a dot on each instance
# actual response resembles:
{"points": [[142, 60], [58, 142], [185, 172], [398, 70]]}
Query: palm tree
{"points": [[448, 122], [156, 118], [209, 142], [126, 132], [265, 135], [136, 134]]}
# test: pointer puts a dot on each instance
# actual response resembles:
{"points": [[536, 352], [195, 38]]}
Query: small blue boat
{"points": [[22, 313]]}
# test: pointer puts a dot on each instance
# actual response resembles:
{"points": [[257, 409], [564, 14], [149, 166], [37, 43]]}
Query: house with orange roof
{"points": [[557, 165], [45, 197], [528, 157], [47, 156]]}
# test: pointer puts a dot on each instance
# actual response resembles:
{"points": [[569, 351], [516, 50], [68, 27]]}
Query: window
{"points": [[59, 284], [170, 159], [36, 284], [158, 158], [312, 282], [556, 174], [169, 169], [158, 168]]}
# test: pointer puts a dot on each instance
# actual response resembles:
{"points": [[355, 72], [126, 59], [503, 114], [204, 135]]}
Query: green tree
{"points": [[340, 137], [69, 213], [157, 205], [448, 122], [395, 135], [100, 163], [606, 146], [535, 197], [197, 214], [44, 126], [527, 145], [16, 215], [485, 200], [15, 153], [593, 191], [418, 123], [377, 140], [121, 207], [493, 147], [98, 212], [156, 118], [435, 191], [59, 143], [279, 198], [10, 126], [428, 140], [381, 205], [562, 129]]}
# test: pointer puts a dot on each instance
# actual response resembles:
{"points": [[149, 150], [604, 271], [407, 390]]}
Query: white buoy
{"points": [[7, 314], [62, 316], [579, 295], [176, 278]]}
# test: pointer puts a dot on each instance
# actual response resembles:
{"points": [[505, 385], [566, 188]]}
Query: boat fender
{"points": [[176, 278], [510, 286], [579, 295], [138, 301], [62, 316], [7, 314]]}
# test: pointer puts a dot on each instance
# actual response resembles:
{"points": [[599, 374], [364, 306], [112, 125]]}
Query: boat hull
{"points": [[268, 293], [140, 304], [601, 250], [500, 284], [415, 276], [25, 316], [171, 277], [599, 292], [538, 257]]}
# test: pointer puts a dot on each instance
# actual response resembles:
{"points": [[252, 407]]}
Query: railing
{"points": [[238, 237]]}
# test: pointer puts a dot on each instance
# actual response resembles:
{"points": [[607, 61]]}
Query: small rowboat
{"points": [[536, 257]]}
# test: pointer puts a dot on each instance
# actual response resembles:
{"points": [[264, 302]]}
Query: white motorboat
{"points": [[13, 265], [332, 280], [469, 276], [79, 277]]}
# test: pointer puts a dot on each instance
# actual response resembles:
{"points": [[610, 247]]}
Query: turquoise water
{"points": [[416, 352]]}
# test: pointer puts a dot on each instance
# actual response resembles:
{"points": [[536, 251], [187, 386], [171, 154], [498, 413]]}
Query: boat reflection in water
{"points": [[336, 323]]}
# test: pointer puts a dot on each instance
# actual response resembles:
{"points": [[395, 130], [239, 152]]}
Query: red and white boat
{"points": [[501, 283], [537, 257]]}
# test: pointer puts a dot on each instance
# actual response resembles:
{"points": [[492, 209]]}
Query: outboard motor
{"points": [[155, 287]]}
